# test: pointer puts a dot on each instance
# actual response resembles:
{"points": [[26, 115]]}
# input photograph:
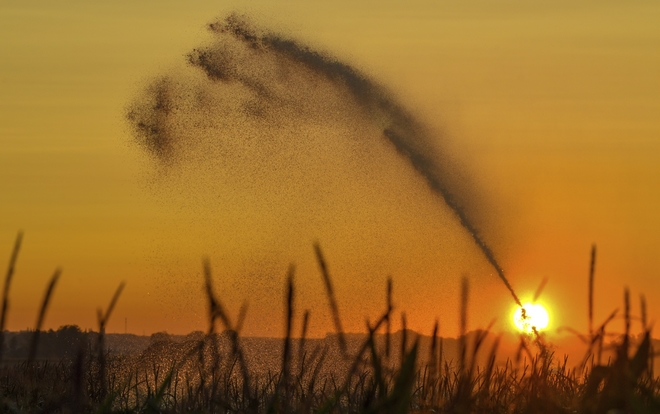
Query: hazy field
{"points": [[69, 370]]}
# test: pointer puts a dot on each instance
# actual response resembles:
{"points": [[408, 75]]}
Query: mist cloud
{"points": [[262, 87]]}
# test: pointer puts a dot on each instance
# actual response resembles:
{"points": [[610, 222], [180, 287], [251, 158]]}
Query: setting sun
{"points": [[535, 317]]}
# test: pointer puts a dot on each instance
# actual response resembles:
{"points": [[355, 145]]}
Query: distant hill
{"points": [[68, 341]]}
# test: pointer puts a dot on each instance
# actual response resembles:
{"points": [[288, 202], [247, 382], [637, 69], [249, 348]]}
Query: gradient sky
{"points": [[552, 108]]}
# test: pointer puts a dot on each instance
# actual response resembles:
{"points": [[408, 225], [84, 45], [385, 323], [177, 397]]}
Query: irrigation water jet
{"points": [[274, 73]]}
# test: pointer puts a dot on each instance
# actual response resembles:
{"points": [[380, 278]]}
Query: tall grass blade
{"points": [[404, 337], [240, 319], [626, 318], [539, 289], [103, 321], [642, 305], [42, 314], [216, 310], [331, 298], [113, 303], [5, 292], [592, 270], [463, 323], [388, 322], [286, 352], [303, 337]]}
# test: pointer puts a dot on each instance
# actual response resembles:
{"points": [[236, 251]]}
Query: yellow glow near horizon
{"points": [[536, 317], [548, 110]]}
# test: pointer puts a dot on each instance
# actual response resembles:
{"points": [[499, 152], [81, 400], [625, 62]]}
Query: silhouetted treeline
{"points": [[67, 341]]}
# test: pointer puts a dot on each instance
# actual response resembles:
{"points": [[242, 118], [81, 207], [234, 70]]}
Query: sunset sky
{"points": [[552, 109]]}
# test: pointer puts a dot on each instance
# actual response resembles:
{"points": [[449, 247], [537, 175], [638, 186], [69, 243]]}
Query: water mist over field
{"points": [[255, 95]]}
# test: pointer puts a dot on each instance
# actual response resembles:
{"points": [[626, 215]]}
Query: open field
{"points": [[219, 372]]}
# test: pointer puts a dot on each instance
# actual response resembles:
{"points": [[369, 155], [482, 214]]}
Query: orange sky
{"points": [[552, 109]]}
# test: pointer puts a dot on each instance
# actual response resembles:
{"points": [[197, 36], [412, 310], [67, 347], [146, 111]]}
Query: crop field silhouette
{"points": [[377, 372]]}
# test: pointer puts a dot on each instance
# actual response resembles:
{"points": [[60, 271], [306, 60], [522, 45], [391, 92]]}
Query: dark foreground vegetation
{"points": [[220, 372]]}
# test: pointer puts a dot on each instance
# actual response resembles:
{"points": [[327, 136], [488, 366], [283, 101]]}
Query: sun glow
{"points": [[534, 317]]}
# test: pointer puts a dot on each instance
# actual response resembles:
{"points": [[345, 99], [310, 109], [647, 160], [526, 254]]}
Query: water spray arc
{"points": [[265, 64], [437, 187]]}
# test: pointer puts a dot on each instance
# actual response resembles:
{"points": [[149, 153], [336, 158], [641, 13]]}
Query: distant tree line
{"points": [[64, 343], [67, 341]]}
